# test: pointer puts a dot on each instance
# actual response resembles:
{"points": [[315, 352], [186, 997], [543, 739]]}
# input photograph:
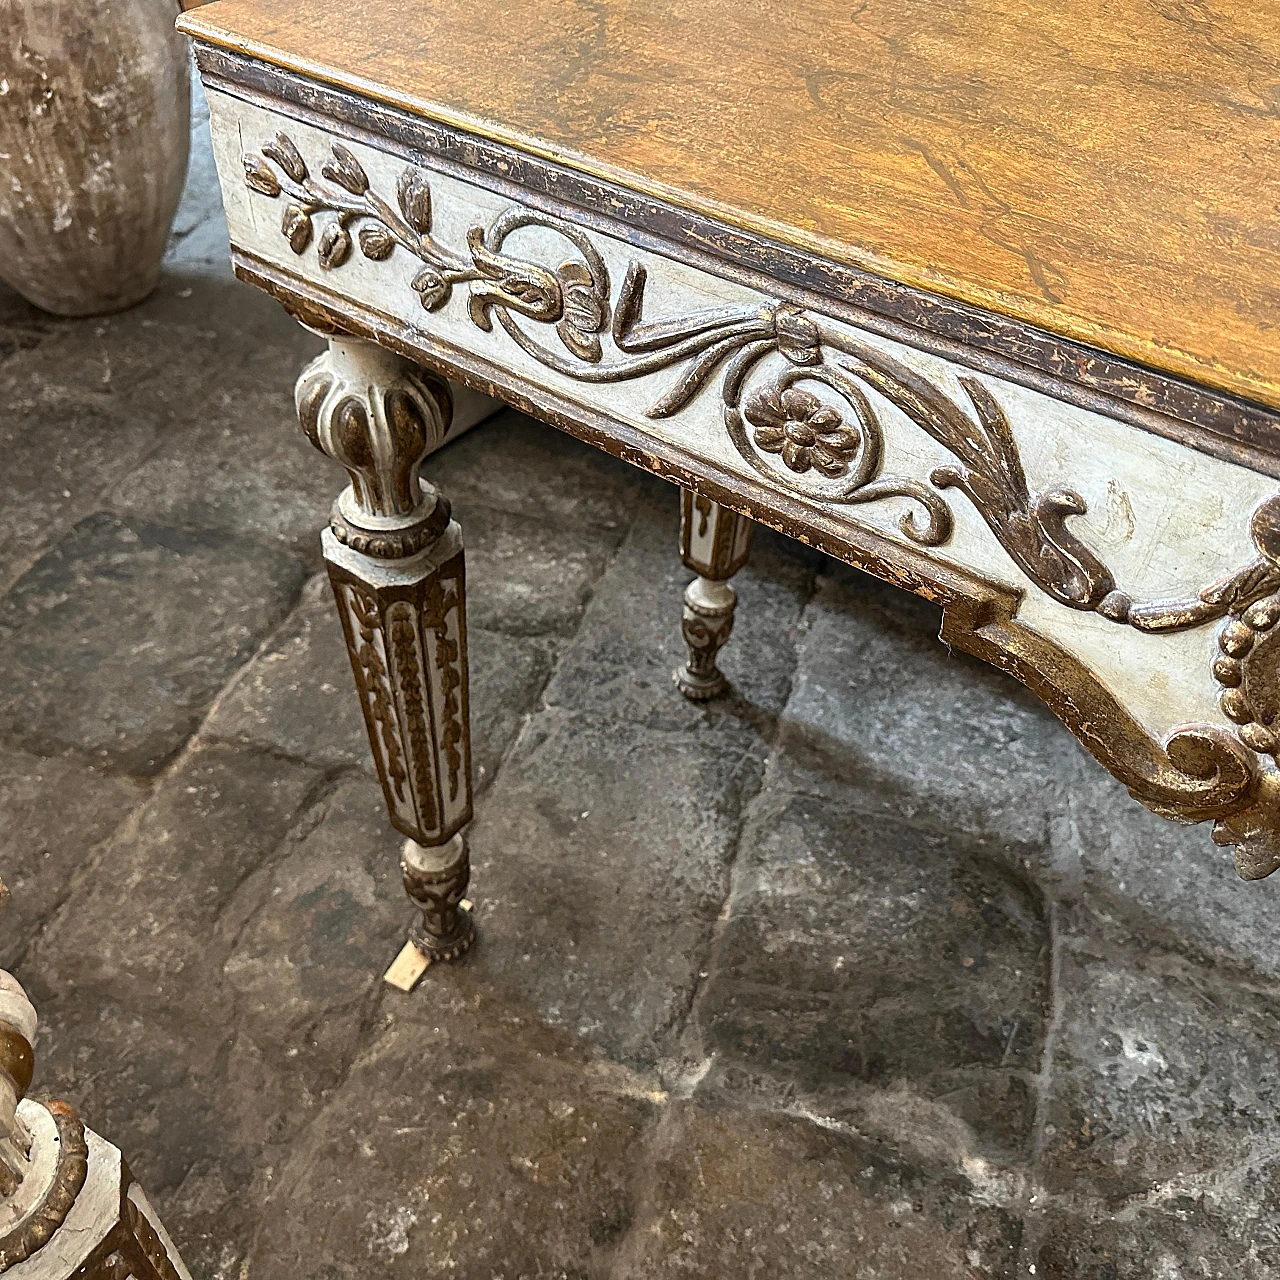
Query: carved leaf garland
{"points": [[778, 418]]}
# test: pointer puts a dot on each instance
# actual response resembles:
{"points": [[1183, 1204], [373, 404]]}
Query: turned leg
{"points": [[714, 543], [395, 562]]}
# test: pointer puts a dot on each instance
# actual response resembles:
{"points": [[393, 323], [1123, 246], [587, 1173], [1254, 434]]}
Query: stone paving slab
{"points": [[600, 864], [492, 468], [629, 643], [245, 469], [470, 1139], [296, 695], [979, 754], [736, 1193], [1160, 1125], [1160, 881], [890, 978], [140, 931], [53, 813], [120, 637], [526, 576], [61, 450]]}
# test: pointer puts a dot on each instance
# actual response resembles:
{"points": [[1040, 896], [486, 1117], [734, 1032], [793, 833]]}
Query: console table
{"points": [[982, 299]]}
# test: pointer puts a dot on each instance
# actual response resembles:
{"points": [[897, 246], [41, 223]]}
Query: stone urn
{"points": [[94, 129]]}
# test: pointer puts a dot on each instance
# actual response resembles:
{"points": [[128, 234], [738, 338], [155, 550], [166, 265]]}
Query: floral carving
{"points": [[367, 643], [806, 432], [574, 296], [585, 312], [780, 373], [775, 417], [438, 608]]}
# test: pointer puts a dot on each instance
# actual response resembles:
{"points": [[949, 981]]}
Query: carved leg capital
{"points": [[395, 562], [715, 543]]}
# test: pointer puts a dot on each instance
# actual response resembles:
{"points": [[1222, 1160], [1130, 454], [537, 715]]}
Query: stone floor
{"points": [[866, 971]]}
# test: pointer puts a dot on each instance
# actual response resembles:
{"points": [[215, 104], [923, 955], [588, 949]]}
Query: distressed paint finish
{"points": [[1108, 171], [395, 561], [1070, 535], [1166, 521]]}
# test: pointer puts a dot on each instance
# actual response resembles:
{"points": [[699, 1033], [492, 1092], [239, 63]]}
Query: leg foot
{"points": [[436, 880], [708, 620], [714, 543]]}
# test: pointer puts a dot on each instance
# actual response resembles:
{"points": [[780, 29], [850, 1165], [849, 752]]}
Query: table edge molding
{"points": [[1208, 420]]}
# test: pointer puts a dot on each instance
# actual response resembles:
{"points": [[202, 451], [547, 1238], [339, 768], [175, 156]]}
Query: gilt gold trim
{"points": [[1199, 772]]}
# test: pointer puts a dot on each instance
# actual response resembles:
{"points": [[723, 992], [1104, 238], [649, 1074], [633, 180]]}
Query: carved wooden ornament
{"points": [[1029, 508]]}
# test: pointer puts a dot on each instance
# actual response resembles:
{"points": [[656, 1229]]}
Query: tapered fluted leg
{"points": [[715, 543], [395, 561]]}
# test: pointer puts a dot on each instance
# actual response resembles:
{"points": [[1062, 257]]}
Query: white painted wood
{"points": [[37, 1171], [470, 409], [1167, 520], [95, 1210]]}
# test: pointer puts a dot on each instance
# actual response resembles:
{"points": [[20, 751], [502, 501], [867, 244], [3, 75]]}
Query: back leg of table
{"points": [[715, 543]]}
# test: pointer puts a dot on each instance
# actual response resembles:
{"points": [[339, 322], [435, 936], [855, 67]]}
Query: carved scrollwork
{"points": [[807, 436], [780, 372], [1030, 527], [574, 297], [781, 419]]}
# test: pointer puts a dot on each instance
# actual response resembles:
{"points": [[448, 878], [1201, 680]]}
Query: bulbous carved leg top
{"points": [[395, 562], [715, 543]]}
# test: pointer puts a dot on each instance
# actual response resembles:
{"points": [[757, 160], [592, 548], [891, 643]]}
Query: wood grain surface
{"points": [[1108, 170]]}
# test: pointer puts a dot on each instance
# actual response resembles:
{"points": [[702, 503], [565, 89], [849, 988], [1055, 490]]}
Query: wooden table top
{"points": [[1108, 170]]}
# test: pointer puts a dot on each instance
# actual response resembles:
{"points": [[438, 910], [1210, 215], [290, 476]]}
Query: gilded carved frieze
{"points": [[778, 417]]}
